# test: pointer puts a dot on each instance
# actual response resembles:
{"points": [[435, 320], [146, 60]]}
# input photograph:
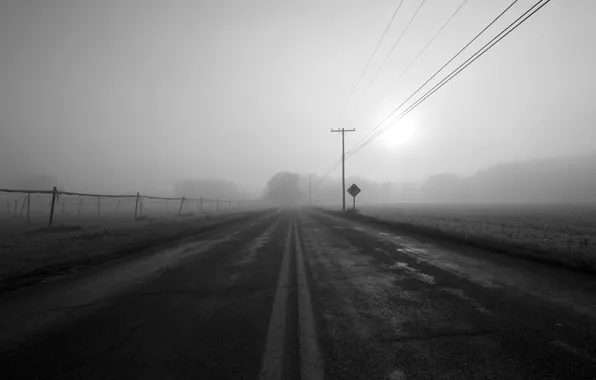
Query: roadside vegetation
{"points": [[30, 254], [562, 235]]}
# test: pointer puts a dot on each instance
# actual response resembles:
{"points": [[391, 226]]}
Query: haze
{"points": [[120, 95]]}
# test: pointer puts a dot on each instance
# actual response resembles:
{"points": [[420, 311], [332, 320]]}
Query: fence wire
{"points": [[35, 206]]}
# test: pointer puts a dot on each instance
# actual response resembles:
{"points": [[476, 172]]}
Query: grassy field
{"points": [[33, 252], [558, 233]]}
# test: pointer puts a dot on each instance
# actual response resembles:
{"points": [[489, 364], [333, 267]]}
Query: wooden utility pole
{"points": [[310, 189], [343, 166]]}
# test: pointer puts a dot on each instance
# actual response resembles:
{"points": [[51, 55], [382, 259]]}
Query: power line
{"points": [[420, 54], [437, 72], [455, 72], [432, 77], [371, 57], [390, 52]]}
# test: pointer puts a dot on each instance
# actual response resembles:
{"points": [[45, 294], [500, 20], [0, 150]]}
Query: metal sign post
{"points": [[354, 190]]}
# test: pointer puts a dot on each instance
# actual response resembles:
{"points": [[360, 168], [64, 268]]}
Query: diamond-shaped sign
{"points": [[354, 190]]}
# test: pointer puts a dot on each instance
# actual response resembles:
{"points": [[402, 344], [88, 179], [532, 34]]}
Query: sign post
{"points": [[354, 190]]}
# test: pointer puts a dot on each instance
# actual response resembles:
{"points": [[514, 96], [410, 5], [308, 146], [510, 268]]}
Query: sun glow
{"points": [[403, 132]]}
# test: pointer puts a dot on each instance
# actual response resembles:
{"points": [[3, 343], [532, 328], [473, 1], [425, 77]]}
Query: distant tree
{"points": [[284, 188]]}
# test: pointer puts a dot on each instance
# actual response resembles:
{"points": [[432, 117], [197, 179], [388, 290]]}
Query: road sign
{"points": [[354, 190]]}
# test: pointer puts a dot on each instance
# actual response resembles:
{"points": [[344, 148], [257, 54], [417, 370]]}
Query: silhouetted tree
{"points": [[284, 188]]}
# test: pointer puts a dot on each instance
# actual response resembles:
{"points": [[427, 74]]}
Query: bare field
{"points": [[564, 233]]}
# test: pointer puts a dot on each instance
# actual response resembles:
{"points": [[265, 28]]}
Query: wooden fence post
{"points": [[80, 206], [181, 204], [28, 208], [137, 205], [23, 206], [54, 193]]}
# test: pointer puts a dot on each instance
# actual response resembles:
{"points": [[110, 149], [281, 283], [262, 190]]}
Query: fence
{"points": [[53, 205]]}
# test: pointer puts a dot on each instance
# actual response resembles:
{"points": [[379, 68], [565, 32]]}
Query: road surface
{"points": [[298, 294]]}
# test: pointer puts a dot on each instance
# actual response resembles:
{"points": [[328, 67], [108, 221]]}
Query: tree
{"points": [[284, 188]]}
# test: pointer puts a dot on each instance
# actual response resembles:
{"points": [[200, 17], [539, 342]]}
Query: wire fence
{"points": [[55, 206]]}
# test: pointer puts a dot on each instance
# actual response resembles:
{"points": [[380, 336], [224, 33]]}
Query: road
{"points": [[298, 294]]}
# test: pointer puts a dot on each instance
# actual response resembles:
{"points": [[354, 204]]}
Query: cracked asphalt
{"points": [[300, 294]]}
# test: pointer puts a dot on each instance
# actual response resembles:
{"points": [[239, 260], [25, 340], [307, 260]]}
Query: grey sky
{"points": [[121, 94]]}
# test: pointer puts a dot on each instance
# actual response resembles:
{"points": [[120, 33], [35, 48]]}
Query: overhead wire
{"points": [[425, 83], [372, 135], [371, 57], [390, 52], [394, 83], [438, 71], [454, 73]]}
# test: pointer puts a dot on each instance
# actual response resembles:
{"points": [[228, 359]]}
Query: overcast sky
{"points": [[121, 94]]}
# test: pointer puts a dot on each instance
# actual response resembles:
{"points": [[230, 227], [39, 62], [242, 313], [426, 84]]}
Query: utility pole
{"points": [[343, 166], [310, 190]]}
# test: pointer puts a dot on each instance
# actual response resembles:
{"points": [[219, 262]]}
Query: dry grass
{"points": [[31, 253], [561, 234]]}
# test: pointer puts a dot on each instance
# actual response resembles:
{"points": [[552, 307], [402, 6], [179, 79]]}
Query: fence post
{"points": [[23, 206], [181, 204], [200, 205], [136, 205], [28, 208], [80, 206], [54, 191]]}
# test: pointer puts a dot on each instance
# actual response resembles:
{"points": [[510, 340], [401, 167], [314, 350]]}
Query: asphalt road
{"points": [[297, 294]]}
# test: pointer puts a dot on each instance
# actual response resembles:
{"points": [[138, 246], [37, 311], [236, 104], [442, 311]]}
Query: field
{"points": [[562, 233], [32, 252]]}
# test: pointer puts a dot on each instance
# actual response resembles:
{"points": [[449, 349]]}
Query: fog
{"points": [[154, 96]]}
